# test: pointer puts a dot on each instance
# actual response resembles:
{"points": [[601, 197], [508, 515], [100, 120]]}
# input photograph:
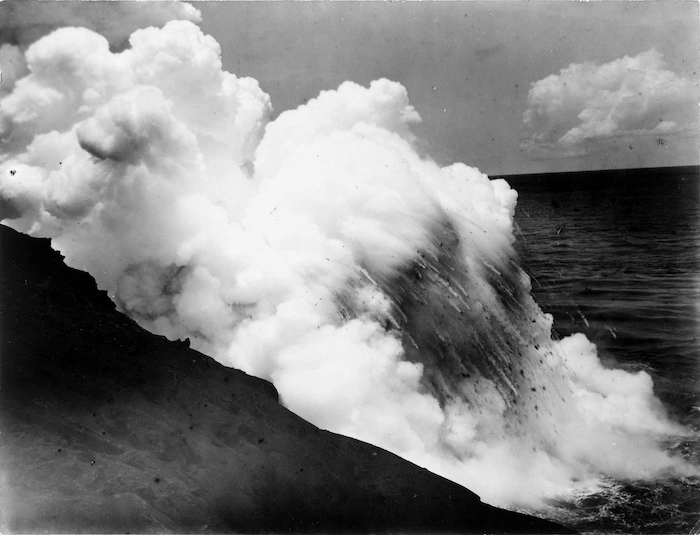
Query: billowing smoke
{"points": [[378, 291], [22, 23]]}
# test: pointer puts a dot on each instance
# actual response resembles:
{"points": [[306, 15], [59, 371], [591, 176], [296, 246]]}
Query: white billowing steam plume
{"points": [[378, 291]]}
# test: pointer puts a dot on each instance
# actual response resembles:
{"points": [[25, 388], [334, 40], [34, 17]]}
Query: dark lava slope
{"points": [[105, 427]]}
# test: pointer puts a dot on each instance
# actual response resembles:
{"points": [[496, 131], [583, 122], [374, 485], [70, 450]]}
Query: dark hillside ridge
{"points": [[106, 428]]}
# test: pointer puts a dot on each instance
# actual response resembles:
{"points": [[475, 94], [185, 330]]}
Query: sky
{"points": [[508, 87], [470, 67]]}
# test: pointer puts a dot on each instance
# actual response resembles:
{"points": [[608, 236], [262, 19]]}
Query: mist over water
{"points": [[614, 255], [380, 292]]}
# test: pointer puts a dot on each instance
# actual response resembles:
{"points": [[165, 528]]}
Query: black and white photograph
{"points": [[350, 267]]}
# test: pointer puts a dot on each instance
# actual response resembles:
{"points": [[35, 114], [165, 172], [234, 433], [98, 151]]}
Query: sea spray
{"points": [[378, 291]]}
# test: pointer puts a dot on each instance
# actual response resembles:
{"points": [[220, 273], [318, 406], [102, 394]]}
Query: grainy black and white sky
{"points": [[509, 87], [470, 66]]}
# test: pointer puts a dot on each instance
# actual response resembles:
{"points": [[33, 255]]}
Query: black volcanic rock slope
{"points": [[105, 427]]}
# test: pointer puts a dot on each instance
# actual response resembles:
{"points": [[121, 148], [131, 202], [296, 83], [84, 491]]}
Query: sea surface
{"points": [[616, 255]]}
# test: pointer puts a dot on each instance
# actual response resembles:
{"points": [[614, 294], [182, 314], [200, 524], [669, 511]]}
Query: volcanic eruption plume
{"points": [[378, 291]]}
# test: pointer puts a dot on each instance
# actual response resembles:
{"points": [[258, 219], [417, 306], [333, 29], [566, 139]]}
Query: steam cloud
{"points": [[377, 290]]}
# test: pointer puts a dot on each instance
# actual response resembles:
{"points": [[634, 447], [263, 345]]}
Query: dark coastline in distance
{"points": [[603, 175]]}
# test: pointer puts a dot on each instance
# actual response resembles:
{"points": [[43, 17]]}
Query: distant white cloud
{"points": [[586, 105]]}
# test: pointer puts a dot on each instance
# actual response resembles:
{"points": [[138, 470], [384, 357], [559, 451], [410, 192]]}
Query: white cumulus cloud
{"points": [[586, 103]]}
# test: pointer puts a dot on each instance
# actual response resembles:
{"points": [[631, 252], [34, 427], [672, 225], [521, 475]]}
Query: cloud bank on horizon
{"points": [[580, 109], [317, 250]]}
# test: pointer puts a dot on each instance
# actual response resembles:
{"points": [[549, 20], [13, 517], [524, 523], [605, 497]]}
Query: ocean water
{"points": [[616, 255]]}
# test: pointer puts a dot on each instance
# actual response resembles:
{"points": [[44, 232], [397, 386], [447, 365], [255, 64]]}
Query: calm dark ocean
{"points": [[616, 255]]}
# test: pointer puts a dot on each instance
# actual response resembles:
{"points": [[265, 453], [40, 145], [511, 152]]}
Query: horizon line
{"points": [[597, 171]]}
